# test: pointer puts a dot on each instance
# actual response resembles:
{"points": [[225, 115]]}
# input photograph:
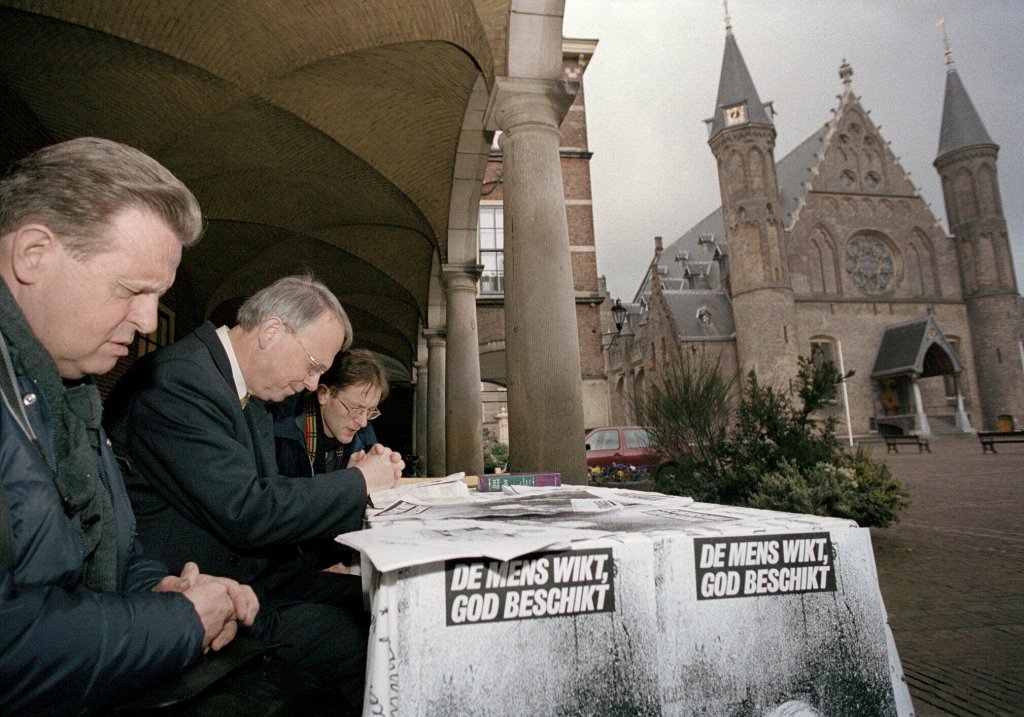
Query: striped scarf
{"points": [[316, 439]]}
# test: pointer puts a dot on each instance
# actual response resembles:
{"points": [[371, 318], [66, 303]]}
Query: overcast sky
{"points": [[654, 78]]}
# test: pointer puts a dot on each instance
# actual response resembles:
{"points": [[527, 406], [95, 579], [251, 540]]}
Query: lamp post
{"points": [[619, 317]]}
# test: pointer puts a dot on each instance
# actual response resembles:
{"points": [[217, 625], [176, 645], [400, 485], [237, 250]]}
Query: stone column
{"points": [[963, 423], [545, 388], [435, 402], [422, 402], [921, 426], [464, 440]]}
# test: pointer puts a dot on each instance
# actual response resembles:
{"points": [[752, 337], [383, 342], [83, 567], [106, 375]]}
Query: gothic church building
{"points": [[832, 249]]}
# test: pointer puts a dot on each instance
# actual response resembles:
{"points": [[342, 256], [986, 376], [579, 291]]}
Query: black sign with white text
{"points": [[572, 582], [754, 565]]}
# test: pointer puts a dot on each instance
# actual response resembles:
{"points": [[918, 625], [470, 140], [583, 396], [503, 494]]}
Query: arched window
{"points": [[823, 350]]}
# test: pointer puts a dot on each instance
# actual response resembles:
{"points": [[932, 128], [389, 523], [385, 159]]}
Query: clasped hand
{"points": [[381, 467], [221, 603]]}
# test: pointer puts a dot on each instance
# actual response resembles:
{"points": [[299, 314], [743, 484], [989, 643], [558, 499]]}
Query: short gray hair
{"points": [[298, 301], [76, 187]]}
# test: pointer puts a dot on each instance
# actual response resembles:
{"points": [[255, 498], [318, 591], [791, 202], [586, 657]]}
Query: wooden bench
{"points": [[906, 439], [990, 438]]}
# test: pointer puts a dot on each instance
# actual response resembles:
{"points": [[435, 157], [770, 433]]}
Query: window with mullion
{"points": [[491, 233]]}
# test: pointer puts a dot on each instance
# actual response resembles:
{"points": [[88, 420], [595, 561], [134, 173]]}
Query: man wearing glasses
{"points": [[329, 429], [189, 423]]}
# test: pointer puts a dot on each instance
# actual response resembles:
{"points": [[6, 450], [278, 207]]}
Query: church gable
{"points": [[855, 159], [861, 229]]}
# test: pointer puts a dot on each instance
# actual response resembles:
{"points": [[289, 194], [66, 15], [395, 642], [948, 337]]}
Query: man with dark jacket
{"points": [[191, 422], [91, 233], [329, 430]]}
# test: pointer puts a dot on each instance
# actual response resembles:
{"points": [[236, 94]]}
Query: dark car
{"points": [[620, 444]]}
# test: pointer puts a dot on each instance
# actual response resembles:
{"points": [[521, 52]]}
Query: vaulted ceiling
{"points": [[317, 135]]}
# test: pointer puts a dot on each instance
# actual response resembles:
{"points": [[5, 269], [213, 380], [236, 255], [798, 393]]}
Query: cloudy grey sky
{"points": [[654, 78]]}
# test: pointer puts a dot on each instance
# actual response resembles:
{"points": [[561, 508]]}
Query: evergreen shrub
{"points": [[772, 454]]}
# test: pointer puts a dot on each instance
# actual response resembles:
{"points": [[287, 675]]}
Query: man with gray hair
{"points": [[191, 424], [91, 234]]}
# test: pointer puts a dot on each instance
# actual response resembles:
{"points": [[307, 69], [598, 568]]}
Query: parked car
{"points": [[620, 444]]}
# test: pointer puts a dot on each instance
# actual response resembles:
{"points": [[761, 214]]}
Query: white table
{"points": [[698, 610]]}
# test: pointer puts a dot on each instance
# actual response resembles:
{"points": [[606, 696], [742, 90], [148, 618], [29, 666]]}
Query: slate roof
{"points": [[688, 308], [961, 124], [735, 86], [904, 346]]}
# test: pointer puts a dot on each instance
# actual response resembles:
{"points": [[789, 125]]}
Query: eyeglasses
{"points": [[315, 367], [357, 413]]}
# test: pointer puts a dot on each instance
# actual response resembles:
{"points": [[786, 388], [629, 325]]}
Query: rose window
{"points": [[869, 264]]}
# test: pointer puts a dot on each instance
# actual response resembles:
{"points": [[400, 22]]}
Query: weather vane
{"points": [[941, 24], [728, 20]]}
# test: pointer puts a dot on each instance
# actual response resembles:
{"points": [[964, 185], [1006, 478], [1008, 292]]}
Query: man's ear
{"points": [[323, 394], [32, 246], [269, 331]]}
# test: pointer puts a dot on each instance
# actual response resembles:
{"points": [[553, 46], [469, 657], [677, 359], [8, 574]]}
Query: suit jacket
{"points": [[201, 472]]}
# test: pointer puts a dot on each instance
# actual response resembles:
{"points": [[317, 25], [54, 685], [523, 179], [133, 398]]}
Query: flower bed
{"points": [[617, 473]]}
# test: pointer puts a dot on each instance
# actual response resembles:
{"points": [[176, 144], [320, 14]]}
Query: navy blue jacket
{"points": [[64, 648]]}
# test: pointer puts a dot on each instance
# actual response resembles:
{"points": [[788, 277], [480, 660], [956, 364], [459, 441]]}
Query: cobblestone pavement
{"points": [[951, 574]]}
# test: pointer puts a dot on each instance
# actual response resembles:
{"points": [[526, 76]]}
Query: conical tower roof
{"points": [[961, 125], [736, 87]]}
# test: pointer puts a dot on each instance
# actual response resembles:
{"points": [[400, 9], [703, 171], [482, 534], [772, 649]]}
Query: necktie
{"points": [[244, 400]]}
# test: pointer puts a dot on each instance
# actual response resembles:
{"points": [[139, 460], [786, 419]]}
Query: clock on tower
{"points": [[734, 114]]}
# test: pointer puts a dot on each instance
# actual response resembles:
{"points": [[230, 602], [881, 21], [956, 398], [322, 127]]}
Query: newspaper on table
{"points": [[563, 501], [519, 521], [449, 489], [406, 543]]}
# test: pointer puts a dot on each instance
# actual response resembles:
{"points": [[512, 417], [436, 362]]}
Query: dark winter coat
{"points": [[65, 648]]}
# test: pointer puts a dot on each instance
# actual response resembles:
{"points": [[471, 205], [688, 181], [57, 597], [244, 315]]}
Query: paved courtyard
{"points": [[952, 576]]}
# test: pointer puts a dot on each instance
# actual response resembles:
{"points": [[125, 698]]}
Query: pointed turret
{"points": [[743, 141], [967, 165], [961, 125], [738, 101]]}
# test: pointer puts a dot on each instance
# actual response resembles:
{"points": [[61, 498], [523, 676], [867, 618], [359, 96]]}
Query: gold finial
{"points": [[945, 40], [728, 20]]}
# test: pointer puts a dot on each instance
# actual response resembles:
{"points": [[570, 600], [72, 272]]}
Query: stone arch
{"points": [[914, 270], [756, 165], [620, 401], [929, 263], [986, 260], [640, 383], [821, 271], [988, 190], [949, 196], [966, 195], [829, 265], [737, 173]]}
